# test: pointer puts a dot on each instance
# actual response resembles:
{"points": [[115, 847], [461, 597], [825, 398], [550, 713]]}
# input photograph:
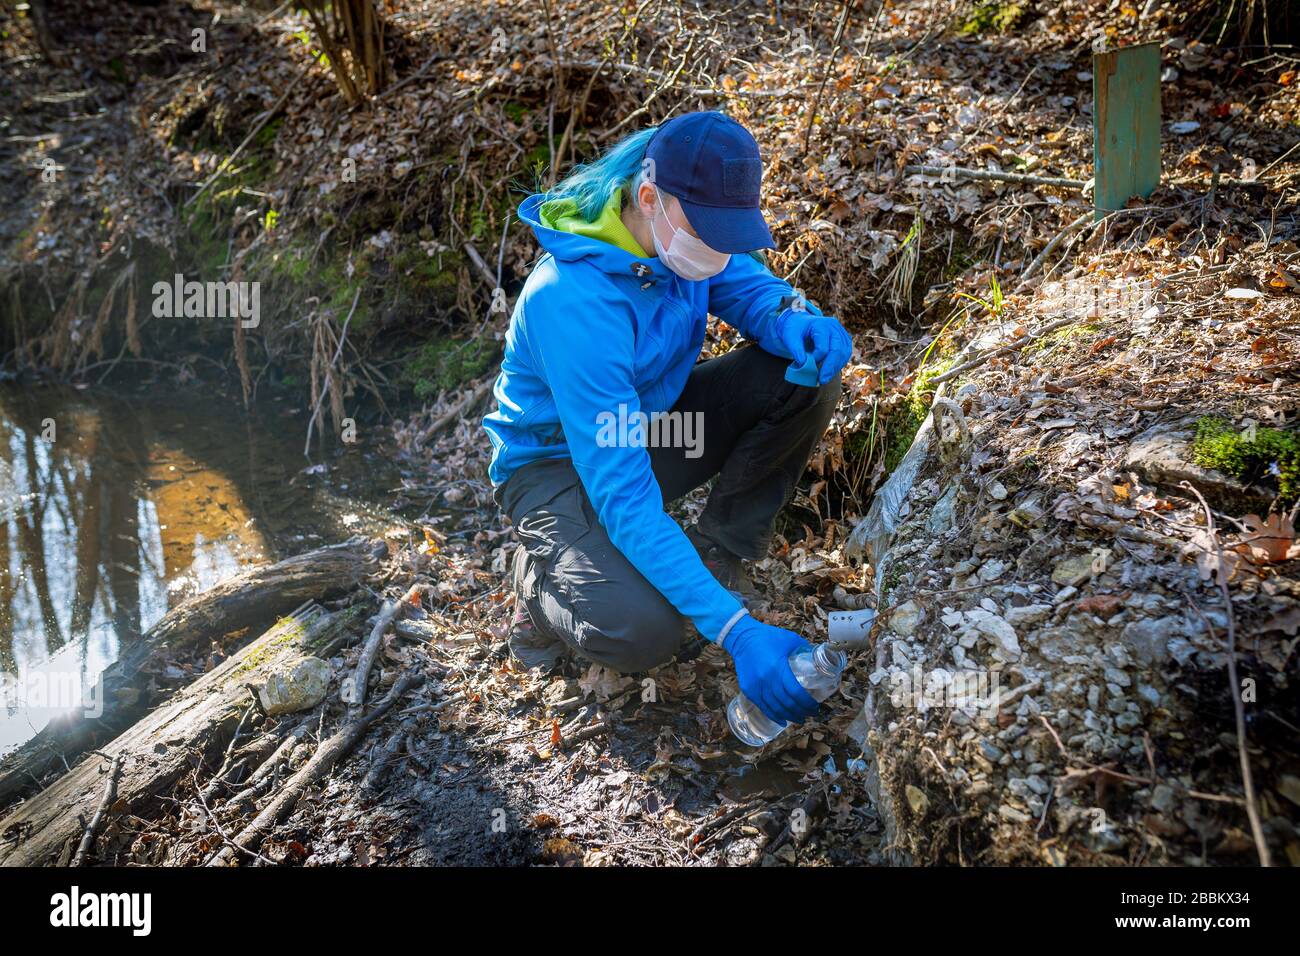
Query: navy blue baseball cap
{"points": [[711, 164]]}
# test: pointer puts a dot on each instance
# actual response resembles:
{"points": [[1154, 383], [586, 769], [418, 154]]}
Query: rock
{"points": [[917, 800], [1181, 650], [940, 520], [1163, 456], [1117, 676], [997, 491], [1026, 514], [1148, 640], [906, 618], [1073, 571], [1008, 812], [1006, 646], [298, 685], [1105, 840], [1163, 797], [1028, 615]]}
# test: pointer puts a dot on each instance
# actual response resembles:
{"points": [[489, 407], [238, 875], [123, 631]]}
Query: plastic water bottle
{"points": [[818, 669]]}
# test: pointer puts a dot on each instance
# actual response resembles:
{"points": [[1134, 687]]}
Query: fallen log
{"points": [[252, 599], [196, 725]]}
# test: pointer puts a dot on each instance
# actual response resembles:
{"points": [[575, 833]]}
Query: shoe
{"points": [[726, 567], [529, 646]]}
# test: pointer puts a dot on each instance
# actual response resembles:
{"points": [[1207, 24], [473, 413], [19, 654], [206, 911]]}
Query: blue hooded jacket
{"points": [[596, 328]]}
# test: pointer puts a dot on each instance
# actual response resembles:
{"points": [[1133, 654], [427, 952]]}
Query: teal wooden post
{"points": [[1126, 125]]}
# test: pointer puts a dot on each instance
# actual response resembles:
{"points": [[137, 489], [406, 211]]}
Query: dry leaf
{"points": [[1271, 540]]}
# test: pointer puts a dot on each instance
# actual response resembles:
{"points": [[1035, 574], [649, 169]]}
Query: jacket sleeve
{"points": [[748, 297], [586, 352]]}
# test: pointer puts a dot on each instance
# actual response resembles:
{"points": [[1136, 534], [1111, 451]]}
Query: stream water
{"points": [[114, 507]]}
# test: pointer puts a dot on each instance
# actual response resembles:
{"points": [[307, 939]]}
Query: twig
{"points": [[434, 708], [354, 688], [1015, 346], [960, 172], [602, 725], [476, 258], [105, 804], [1089, 767], [1047, 249], [322, 761], [329, 372], [225, 839], [557, 158], [218, 778], [800, 89], [436, 58], [460, 408], [826, 75], [1278, 160], [814, 802], [721, 820], [270, 767], [1234, 688]]}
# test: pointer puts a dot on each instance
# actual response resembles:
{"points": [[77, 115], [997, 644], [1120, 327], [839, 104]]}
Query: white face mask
{"points": [[687, 256]]}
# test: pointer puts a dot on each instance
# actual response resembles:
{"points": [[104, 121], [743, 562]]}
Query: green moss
{"points": [[891, 579], [855, 446], [203, 246], [289, 630], [267, 134], [447, 363], [301, 273], [993, 15], [420, 272], [1231, 450], [1061, 336], [903, 424], [206, 240]]}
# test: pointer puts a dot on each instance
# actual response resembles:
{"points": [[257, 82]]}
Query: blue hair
{"points": [[592, 185]]}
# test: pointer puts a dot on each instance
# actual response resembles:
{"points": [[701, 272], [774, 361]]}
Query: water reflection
{"points": [[111, 512]]}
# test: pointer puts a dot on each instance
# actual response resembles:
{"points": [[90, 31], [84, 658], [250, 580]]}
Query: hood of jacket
{"points": [[566, 236]]}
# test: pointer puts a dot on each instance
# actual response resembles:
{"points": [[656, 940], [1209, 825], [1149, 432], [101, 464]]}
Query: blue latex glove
{"points": [[805, 374], [816, 342], [760, 653]]}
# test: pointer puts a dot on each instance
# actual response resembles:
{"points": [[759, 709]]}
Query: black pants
{"points": [[577, 587]]}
